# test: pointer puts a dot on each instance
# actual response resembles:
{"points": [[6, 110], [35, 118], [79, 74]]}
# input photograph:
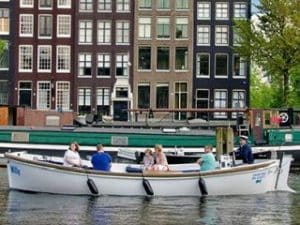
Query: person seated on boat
{"points": [[245, 151], [101, 160], [207, 161], [161, 162], [72, 157], [148, 159]]}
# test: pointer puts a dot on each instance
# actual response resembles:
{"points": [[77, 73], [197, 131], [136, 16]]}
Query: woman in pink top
{"points": [[161, 162]]}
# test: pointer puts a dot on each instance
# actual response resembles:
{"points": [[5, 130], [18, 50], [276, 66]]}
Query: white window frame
{"points": [[220, 115], [45, 8], [122, 32], [144, 28], [182, 9], [220, 14], [104, 32], [88, 32], [90, 3], [48, 91], [123, 6], [68, 24], [124, 62], [163, 21], [203, 9], [233, 100], [26, 5], [62, 96], [223, 75], [64, 6], [204, 29], [235, 10], [85, 54], [31, 55], [104, 62], [221, 35], [198, 75], [49, 47], [39, 26], [183, 22], [68, 48], [20, 25], [243, 67], [3, 24], [105, 3]]}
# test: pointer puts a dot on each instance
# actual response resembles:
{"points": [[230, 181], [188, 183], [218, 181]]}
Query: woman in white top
{"points": [[72, 157]]}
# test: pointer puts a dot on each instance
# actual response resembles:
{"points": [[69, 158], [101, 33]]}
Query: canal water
{"points": [[18, 208]]}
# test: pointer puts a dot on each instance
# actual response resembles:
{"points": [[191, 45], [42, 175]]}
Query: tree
{"points": [[273, 43]]}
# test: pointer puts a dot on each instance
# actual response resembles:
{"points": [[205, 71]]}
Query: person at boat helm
{"points": [[72, 157], [245, 151], [207, 161], [101, 160]]}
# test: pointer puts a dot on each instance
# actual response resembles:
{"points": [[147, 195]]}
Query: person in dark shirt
{"points": [[244, 151], [101, 160]]}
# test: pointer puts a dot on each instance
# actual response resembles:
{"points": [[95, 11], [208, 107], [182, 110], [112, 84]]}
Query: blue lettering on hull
{"points": [[15, 170]]}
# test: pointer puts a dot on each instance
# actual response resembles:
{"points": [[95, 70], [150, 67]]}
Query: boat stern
{"points": [[283, 174]]}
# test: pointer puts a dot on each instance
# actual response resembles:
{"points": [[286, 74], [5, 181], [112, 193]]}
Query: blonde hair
{"points": [[158, 147], [148, 150]]}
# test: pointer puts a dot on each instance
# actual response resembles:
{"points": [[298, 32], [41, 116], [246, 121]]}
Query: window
{"points": [[103, 101], [181, 60], [163, 55], [221, 65], [123, 5], [122, 65], [44, 95], [25, 58], [84, 100], [240, 10], [26, 25], [85, 5], [103, 63], [63, 26], [122, 32], [181, 96], [3, 92], [163, 4], [85, 32], [104, 32], [63, 59], [62, 96], [203, 65], [122, 92], [4, 57], [85, 64], [144, 96], [45, 4], [145, 4], [182, 4], [25, 93], [163, 28], [145, 58], [203, 35], [45, 26], [162, 96], [26, 3], [220, 101], [238, 99], [203, 11], [222, 11], [65, 4], [181, 28], [222, 35], [44, 58], [104, 5], [4, 21], [144, 27], [236, 38], [202, 102], [239, 67]]}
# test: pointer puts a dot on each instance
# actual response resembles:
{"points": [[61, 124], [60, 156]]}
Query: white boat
{"points": [[37, 173]]}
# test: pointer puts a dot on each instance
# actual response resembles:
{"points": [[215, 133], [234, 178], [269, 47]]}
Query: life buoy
{"points": [[92, 186], [147, 187], [202, 186]]}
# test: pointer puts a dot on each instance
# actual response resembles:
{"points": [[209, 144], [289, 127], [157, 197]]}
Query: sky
{"points": [[254, 2]]}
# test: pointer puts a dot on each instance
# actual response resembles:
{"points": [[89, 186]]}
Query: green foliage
{"points": [[273, 43]]}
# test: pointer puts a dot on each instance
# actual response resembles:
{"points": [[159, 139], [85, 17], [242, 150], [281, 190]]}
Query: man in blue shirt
{"points": [[101, 160], [244, 151]]}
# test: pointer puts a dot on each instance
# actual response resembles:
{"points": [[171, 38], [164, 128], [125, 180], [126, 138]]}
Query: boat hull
{"points": [[36, 176]]}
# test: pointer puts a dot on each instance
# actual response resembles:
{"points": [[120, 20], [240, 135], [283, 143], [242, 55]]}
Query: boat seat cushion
{"points": [[133, 169]]}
